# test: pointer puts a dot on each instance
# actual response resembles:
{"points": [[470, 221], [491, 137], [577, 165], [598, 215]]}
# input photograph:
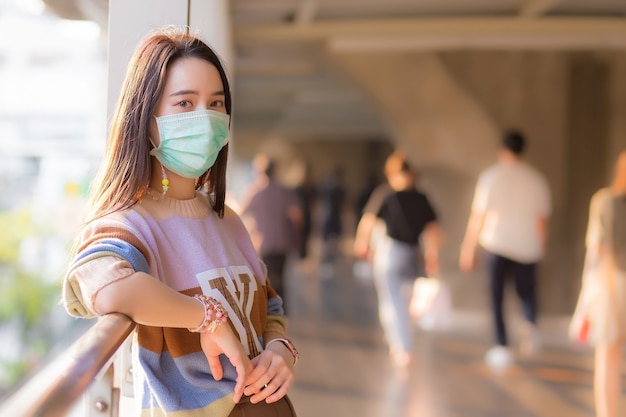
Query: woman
{"points": [[407, 216], [160, 246], [600, 315]]}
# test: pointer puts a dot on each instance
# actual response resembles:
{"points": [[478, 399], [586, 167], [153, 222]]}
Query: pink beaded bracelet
{"points": [[214, 314]]}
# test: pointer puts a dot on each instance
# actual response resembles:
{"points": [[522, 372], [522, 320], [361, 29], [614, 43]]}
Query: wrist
{"points": [[287, 344]]}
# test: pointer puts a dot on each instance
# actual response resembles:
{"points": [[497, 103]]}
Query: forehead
{"points": [[192, 73]]}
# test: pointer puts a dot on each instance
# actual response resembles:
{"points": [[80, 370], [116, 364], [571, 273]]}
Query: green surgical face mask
{"points": [[190, 142]]}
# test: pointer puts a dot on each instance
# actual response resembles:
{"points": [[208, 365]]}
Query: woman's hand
{"points": [[466, 258], [432, 266], [363, 235], [223, 340], [272, 376], [361, 249]]}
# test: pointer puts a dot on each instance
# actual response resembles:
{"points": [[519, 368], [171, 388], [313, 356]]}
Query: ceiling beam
{"points": [[569, 32], [474, 42], [536, 8]]}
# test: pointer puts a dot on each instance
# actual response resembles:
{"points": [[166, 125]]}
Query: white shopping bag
{"points": [[430, 303]]}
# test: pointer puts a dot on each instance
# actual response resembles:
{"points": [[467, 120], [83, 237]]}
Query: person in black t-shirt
{"points": [[398, 257]]}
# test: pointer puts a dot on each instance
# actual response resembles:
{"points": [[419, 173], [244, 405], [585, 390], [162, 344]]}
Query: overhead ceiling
{"points": [[284, 85]]}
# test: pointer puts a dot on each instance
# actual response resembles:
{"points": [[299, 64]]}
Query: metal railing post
{"points": [[124, 369]]}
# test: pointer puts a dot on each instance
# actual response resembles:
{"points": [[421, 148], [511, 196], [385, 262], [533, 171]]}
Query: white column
{"points": [[129, 22], [211, 18]]}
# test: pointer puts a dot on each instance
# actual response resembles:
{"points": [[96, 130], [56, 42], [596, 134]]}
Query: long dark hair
{"points": [[125, 174]]}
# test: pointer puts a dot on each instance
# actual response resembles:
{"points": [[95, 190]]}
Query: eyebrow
{"points": [[184, 92]]}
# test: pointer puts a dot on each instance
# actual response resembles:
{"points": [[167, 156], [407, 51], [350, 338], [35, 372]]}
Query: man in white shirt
{"points": [[509, 219]]}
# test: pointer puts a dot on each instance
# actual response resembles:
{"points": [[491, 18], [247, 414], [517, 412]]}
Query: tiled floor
{"points": [[345, 370]]}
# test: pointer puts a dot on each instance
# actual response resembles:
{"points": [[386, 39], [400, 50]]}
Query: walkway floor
{"points": [[345, 370]]}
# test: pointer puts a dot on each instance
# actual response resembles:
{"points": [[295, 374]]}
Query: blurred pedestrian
{"points": [[509, 219], [274, 218], [333, 203], [398, 258], [600, 315], [307, 195]]}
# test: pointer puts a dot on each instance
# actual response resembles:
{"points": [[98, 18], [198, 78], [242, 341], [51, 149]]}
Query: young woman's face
{"points": [[192, 84]]}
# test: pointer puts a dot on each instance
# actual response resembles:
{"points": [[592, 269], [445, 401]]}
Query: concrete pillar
{"points": [[130, 21], [212, 19], [588, 147], [428, 111], [617, 108]]}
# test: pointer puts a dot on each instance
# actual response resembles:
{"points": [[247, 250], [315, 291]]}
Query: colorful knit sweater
{"points": [[184, 244]]}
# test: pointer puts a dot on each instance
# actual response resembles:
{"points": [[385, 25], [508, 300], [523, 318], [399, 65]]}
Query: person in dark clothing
{"points": [[398, 258], [508, 220], [307, 195], [272, 214], [332, 196]]}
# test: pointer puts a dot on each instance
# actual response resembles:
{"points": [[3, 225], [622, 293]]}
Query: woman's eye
{"points": [[217, 104], [184, 103]]}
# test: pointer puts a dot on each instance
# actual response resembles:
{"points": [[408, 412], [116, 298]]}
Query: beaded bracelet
{"points": [[214, 314]]}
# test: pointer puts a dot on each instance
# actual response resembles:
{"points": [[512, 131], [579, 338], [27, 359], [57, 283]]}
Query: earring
{"points": [[165, 183]]}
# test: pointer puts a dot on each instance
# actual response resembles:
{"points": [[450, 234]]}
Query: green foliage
{"points": [[27, 296], [13, 372], [15, 226], [23, 296], [21, 293]]}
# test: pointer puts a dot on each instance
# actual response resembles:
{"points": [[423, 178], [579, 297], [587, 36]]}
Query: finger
{"points": [[240, 383], [275, 389], [279, 393], [257, 385], [259, 374], [265, 391], [216, 367], [257, 377]]}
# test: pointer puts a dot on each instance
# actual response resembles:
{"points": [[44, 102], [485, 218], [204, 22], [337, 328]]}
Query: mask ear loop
{"points": [[165, 182]]}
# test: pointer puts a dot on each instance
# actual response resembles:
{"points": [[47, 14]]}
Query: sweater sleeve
{"points": [[108, 252], [87, 277], [276, 327]]}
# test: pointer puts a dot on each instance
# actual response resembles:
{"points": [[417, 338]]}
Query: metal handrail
{"points": [[54, 391]]}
